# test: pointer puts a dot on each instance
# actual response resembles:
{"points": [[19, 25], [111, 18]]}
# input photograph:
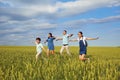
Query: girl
{"points": [[83, 45], [50, 44], [65, 40]]}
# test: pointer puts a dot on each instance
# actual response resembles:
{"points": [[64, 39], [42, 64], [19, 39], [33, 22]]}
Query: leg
{"points": [[67, 49], [53, 52], [37, 55], [82, 57], [48, 52], [62, 48]]}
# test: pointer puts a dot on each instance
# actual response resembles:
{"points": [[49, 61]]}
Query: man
{"points": [[65, 40]]}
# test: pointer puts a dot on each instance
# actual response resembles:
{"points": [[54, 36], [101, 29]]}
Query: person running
{"points": [[83, 45], [39, 48], [50, 44], [65, 40]]}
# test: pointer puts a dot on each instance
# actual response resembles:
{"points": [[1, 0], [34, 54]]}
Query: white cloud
{"points": [[22, 19], [57, 9], [81, 6], [4, 18], [77, 23]]}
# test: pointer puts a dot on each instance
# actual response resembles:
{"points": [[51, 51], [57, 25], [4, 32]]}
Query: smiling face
{"points": [[64, 32], [80, 35], [38, 41], [49, 35]]}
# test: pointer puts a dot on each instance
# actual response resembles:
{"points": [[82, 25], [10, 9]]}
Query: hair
{"points": [[81, 33], [50, 34], [38, 38], [65, 31]]}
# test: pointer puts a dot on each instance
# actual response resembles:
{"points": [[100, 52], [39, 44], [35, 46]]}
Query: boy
{"points": [[39, 47]]}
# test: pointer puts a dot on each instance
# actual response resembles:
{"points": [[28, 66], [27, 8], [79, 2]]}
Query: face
{"points": [[48, 35], [79, 35], [64, 32], [38, 41]]}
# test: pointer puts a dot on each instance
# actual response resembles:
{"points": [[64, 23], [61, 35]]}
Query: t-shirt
{"points": [[66, 39], [82, 38], [39, 48]]}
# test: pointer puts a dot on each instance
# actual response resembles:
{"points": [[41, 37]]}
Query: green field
{"points": [[18, 63]]}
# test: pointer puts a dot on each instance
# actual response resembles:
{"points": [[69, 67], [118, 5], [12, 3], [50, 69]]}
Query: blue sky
{"points": [[21, 21]]}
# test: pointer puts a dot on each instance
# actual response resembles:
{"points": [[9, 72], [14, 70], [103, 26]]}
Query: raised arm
{"points": [[35, 42], [92, 38]]}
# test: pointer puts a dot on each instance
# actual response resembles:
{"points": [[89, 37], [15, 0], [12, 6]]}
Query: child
{"points": [[50, 44], [39, 47], [65, 40], [83, 45]]}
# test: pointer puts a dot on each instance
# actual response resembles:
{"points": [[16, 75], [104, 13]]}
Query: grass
{"points": [[18, 63]]}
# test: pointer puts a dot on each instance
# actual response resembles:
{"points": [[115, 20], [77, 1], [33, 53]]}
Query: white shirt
{"points": [[66, 39], [82, 38], [39, 48]]}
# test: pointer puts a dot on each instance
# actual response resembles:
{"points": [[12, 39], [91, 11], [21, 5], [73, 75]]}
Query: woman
{"points": [[50, 44], [83, 45]]}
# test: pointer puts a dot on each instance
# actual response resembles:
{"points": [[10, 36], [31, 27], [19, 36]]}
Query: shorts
{"points": [[84, 51], [65, 44], [39, 52]]}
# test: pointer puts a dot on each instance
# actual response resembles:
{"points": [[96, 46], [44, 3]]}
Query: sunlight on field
{"points": [[18, 63]]}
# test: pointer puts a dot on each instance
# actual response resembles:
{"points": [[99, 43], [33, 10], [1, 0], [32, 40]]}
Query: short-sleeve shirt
{"points": [[66, 39], [82, 38], [39, 48], [50, 43]]}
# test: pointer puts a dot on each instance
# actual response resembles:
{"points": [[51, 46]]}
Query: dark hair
{"points": [[50, 34], [81, 33], [65, 31], [38, 39]]}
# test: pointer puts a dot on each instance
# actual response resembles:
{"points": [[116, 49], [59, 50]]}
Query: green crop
{"points": [[18, 63]]}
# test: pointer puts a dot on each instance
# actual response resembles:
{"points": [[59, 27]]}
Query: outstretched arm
{"points": [[59, 39], [46, 41], [54, 37], [92, 38], [74, 40], [70, 35]]}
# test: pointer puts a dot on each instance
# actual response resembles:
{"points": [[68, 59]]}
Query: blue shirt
{"points": [[50, 41]]}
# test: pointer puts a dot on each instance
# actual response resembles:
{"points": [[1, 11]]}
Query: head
{"points": [[64, 32], [38, 40], [80, 34], [50, 35]]}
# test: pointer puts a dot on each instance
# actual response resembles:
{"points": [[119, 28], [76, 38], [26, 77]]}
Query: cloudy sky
{"points": [[21, 21]]}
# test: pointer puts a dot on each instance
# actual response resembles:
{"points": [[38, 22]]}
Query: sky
{"points": [[21, 21]]}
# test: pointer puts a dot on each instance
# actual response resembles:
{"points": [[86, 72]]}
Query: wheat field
{"points": [[18, 63]]}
